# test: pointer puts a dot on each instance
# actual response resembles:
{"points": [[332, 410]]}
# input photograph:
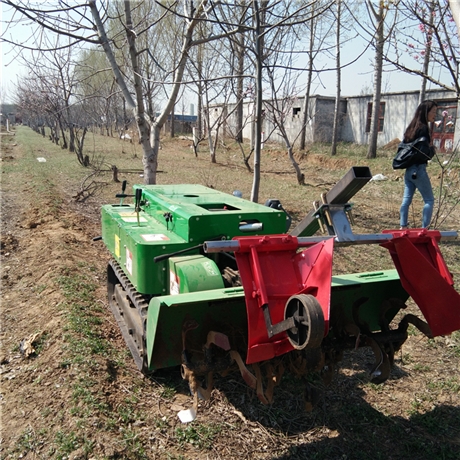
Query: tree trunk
{"points": [[71, 137], [306, 102], [335, 128], [378, 69], [60, 128], [149, 159], [240, 89], [427, 57], [455, 8], [199, 110], [172, 127], [258, 108], [300, 176]]}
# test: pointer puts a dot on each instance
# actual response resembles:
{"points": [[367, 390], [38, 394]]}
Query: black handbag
{"points": [[408, 154]]}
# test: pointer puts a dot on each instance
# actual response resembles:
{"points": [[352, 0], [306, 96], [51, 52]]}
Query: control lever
{"points": [[137, 204], [122, 195]]}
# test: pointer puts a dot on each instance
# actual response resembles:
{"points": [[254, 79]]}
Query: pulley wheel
{"points": [[308, 330]]}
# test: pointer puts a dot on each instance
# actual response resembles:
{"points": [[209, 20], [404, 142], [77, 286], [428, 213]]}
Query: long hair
{"points": [[420, 120]]}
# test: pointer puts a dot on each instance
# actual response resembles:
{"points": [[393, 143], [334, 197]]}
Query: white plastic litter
{"points": [[445, 162], [41, 160], [379, 177], [187, 415]]}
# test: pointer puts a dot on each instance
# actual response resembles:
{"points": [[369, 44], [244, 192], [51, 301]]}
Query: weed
{"points": [[39, 344], [406, 358], [451, 384], [413, 331], [415, 406], [200, 435], [133, 443], [454, 344], [65, 364], [126, 414], [421, 368], [431, 343], [27, 441], [66, 443], [375, 387], [167, 392], [82, 309], [161, 423], [111, 423]]}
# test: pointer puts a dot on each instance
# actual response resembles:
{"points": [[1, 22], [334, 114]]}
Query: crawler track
{"points": [[130, 310]]}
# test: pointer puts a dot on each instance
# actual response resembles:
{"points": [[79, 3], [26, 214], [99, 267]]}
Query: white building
{"points": [[397, 110]]}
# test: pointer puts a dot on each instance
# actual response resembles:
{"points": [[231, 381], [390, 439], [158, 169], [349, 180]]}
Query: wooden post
{"points": [[115, 173]]}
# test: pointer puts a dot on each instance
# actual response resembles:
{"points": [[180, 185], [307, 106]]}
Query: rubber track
{"points": [[141, 303]]}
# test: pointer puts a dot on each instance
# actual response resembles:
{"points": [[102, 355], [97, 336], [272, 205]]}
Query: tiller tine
{"points": [[381, 368], [260, 387], [417, 322], [426, 278], [273, 374], [248, 377]]}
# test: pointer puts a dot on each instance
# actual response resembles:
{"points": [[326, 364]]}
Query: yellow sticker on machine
{"points": [[117, 246]]}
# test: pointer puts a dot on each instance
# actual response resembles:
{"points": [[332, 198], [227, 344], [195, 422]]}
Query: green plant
{"points": [[133, 443], [167, 392], [199, 435], [66, 443], [27, 441], [421, 368]]}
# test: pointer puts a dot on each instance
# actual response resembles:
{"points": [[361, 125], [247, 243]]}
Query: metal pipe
{"points": [[221, 246], [376, 238]]}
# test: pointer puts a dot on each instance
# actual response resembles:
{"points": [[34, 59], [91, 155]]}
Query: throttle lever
{"points": [[122, 195], [137, 204]]}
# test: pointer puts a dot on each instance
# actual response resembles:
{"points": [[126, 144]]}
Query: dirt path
{"points": [[38, 243]]}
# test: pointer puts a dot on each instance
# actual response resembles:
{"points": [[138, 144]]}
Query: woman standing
{"points": [[416, 176]]}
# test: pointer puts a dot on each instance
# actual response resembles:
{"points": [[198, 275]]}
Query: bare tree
{"points": [[269, 20], [318, 27], [377, 16], [83, 20]]}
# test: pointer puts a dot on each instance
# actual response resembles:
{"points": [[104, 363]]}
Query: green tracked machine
{"points": [[211, 282]]}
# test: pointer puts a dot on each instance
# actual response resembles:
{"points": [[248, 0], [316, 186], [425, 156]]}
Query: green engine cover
{"points": [[173, 218]]}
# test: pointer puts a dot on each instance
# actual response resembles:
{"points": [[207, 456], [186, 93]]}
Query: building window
{"points": [[381, 117], [296, 111]]}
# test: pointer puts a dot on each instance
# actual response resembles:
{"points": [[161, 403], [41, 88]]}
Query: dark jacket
{"points": [[425, 149]]}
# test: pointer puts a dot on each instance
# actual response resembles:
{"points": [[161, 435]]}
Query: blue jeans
{"points": [[423, 184]]}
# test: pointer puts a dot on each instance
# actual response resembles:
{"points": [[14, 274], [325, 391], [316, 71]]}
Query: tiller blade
{"points": [[425, 276]]}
